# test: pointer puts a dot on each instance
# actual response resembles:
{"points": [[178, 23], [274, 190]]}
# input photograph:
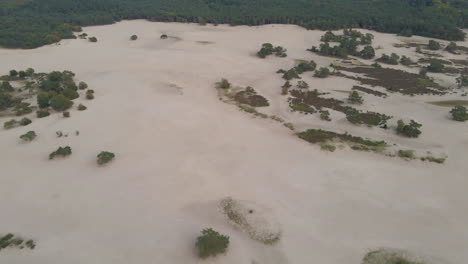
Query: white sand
{"points": [[179, 150]]}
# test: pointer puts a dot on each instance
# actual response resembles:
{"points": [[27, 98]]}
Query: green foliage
{"points": [[6, 87], [406, 61], [42, 113], [70, 94], [10, 124], [66, 114], [459, 113], [134, 37], [90, 94], [105, 157], [392, 59], [409, 130], [305, 67], [211, 243], [285, 88], [423, 72], [318, 135], [82, 85], [25, 121], [6, 101], [291, 74], [92, 39], [13, 73], [327, 147], [60, 103], [163, 36], [81, 107], [223, 84], [29, 72], [325, 115], [435, 66], [369, 118], [29, 136], [462, 81], [61, 151], [408, 154], [323, 72], [355, 98], [367, 53], [22, 108], [302, 85], [268, 49], [451, 47], [433, 45], [13, 241], [434, 159]]}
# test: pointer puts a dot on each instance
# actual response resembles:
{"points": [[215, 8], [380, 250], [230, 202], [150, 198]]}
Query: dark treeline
{"points": [[32, 23]]}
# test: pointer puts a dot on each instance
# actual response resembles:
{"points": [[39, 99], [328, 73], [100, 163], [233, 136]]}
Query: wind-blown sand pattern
{"points": [[180, 149]]}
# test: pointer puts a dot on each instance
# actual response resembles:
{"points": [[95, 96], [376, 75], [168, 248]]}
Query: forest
{"points": [[33, 23]]}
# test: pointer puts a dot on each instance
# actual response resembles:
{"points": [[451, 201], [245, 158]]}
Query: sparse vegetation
{"points": [[92, 39], [29, 136], [327, 147], [323, 72], [105, 157], [13, 241], [82, 85], [355, 98], [392, 59], [409, 130], [435, 66], [407, 154], [223, 84], [163, 36], [325, 115], [25, 121], [42, 113], [250, 97], [459, 113], [10, 124], [211, 243], [61, 151], [302, 85]]}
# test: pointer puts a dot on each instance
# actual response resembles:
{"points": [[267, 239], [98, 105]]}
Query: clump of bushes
{"points": [[60, 102], [409, 130], [451, 47], [370, 118], [61, 151], [81, 107], [211, 243], [12, 241], [82, 85], [406, 60], [325, 115], [105, 157], [459, 113], [42, 113], [223, 84], [392, 59], [163, 36], [22, 109], [25, 121], [435, 66], [291, 74], [305, 66], [323, 72], [268, 49], [285, 88], [355, 98], [433, 45], [29, 136]]}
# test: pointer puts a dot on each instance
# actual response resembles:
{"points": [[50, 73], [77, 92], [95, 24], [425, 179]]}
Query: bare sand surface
{"points": [[180, 150]]}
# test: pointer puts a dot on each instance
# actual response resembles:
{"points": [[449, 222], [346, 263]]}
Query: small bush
{"points": [[392, 59], [90, 94], [29, 136], [82, 85], [433, 45], [10, 124], [163, 36], [42, 113], [25, 121], [323, 72], [459, 113], [223, 84], [134, 37], [325, 115], [327, 147], [22, 109], [409, 130], [451, 47], [61, 151], [302, 85], [66, 114], [60, 103], [92, 39], [355, 98], [434, 159], [408, 154], [70, 94], [81, 107], [211, 243], [105, 157], [435, 66]]}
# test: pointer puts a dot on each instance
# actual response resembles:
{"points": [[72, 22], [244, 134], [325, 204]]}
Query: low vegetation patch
{"points": [[61, 151], [211, 243], [29, 136], [269, 49], [105, 157], [383, 256], [14, 241], [459, 113], [250, 97], [407, 154], [409, 130], [355, 98]]}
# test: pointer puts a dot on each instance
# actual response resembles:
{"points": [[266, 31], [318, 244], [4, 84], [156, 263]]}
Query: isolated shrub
{"points": [[355, 98], [82, 85], [323, 72], [406, 60], [376, 65], [302, 85], [134, 37], [211, 243], [451, 47], [60, 103], [10, 124], [433, 45], [92, 39], [163, 36], [66, 114], [291, 74], [42, 113], [367, 53], [29, 136], [435, 66], [81, 107], [223, 84], [13, 73], [61, 151], [267, 49], [407, 154], [459, 113], [105, 157], [25, 121], [70, 94], [409, 130], [392, 59], [325, 115], [22, 74]]}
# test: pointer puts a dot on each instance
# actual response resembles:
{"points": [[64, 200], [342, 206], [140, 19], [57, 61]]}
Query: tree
{"points": [[302, 85], [29, 72], [459, 113], [367, 53], [435, 66], [409, 130], [22, 74], [70, 94], [433, 45], [223, 84], [6, 87], [211, 243], [305, 66], [265, 50], [451, 47], [355, 98], [43, 99], [323, 72], [134, 37], [60, 103], [13, 73], [105, 157]]}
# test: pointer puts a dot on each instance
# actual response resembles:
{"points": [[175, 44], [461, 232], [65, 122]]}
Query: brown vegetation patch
{"points": [[369, 91], [395, 80], [250, 97]]}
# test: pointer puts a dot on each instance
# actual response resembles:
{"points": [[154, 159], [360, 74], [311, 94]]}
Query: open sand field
{"points": [[180, 150]]}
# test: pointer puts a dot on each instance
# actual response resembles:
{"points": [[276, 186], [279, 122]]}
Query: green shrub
{"points": [[61, 151], [291, 74], [451, 47], [355, 98], [105, 157], [10, 124], [392, 59], [211, 243], [60, 103], [42, 113], [409, 130], [22, 109], [408, 154], [92, 39], [163, 36], [435, 66], [29, 136], [462, 81], [406, 60], [66, 114], [90, 94], [302, 85], [434, 159], [82, 85], [13, 73], [71, 94], [223, 84], [323, 72], [134, 37], [459, 113], [433, 45], [6, 87], [327, 147], [305, 67], [43, 99], [25, 121], [325, 115], [81, 107]]}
